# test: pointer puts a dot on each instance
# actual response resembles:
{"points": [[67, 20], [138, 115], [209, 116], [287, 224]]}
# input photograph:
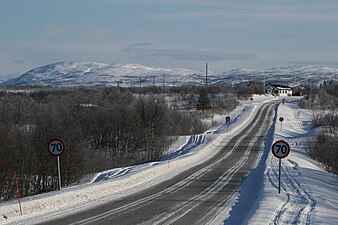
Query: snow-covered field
{"points": [[309, 195]]}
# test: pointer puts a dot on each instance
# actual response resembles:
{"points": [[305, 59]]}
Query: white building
{"points": [[278, 90]]}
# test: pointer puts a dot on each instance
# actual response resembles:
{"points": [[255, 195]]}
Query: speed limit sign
{"points": [[56, 147], [280, 149]]}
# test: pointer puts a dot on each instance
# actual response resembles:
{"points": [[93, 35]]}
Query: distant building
{"points": [[298, 90], [278, 90], [298, 93]]}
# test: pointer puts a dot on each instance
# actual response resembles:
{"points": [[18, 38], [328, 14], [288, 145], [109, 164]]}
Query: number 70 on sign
{"points": [[280, 149], [56, 147]]}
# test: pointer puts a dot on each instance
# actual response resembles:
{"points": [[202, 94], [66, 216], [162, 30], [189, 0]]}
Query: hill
{"points": [[111, 74]]}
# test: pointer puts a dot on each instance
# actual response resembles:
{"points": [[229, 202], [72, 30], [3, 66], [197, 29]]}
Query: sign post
{"points": [[280, 149], [281, 119], [59, 173], [227, 120], [56, 147]]}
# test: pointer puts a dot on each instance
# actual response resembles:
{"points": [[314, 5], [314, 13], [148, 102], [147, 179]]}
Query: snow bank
{"points": [[119, 182], [309, 194]]}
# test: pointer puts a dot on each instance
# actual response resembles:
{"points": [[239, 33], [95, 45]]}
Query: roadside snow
{"points": [[309, 194], [118, 182]]}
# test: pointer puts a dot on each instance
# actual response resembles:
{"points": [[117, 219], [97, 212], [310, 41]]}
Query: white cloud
{"points": [[53, 30], [97, 32], [316, 62], [256, 10], [188, 54]]}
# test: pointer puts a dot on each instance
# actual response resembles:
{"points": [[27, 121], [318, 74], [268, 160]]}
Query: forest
{"points": [[102, 128], [110, 127]]}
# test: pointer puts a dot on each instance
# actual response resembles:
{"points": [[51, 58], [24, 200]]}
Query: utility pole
{"points": [[153, 84], [206, 87], [140, 90], [206, 74], [163, 85], [264, 86]]}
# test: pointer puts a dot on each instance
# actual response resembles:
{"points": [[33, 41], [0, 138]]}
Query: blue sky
{"points": [[168, 33]]}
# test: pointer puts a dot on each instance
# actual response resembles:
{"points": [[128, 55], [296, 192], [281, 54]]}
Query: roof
{"points": [[280, 86]]}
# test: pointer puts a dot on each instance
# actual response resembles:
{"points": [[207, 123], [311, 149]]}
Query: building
{"points": [[278, 90]]}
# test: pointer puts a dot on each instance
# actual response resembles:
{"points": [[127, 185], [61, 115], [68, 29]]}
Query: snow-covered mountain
{"points": [[111, 74], [101, 74]]}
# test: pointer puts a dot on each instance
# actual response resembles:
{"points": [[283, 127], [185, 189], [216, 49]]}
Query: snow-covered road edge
{"points": [[88, 195], [309, 194]]}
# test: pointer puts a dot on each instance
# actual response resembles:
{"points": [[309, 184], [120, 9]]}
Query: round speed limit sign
{"points": [[56, 147], [280, 149]]}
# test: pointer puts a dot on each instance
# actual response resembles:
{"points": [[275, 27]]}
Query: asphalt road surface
{"points": [[195, 196]]}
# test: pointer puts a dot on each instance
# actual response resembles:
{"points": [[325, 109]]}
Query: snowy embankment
{"points": [[116, 183], [309, 194]]}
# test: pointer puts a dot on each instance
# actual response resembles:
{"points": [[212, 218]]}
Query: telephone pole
{"points": [[163, 85], [153, 84], [264, 86], [206, 74]]}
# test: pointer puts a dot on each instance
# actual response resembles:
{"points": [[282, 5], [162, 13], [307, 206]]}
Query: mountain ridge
{"points": [[112, 74]]}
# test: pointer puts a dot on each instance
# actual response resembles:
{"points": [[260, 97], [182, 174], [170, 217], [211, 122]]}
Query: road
{"points": [[195, 196]]}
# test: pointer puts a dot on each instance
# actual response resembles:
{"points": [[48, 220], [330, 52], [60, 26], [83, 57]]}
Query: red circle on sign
{"points": [[275, 149], [56, 147]]}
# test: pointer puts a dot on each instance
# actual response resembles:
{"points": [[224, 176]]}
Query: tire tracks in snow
{"points": [[299, 204]]}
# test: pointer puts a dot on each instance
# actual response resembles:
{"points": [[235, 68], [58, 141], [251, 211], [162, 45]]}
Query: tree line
{"points": [[323, 100]]}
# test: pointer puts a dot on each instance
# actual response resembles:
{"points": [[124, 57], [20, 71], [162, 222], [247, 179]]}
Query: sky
{"points": [[252, 34]]}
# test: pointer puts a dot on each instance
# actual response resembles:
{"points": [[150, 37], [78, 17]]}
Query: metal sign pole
{"points": [[59, 173], [281, 119], [56, 147], [280, 149], [279, 180], [227, 121]]}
